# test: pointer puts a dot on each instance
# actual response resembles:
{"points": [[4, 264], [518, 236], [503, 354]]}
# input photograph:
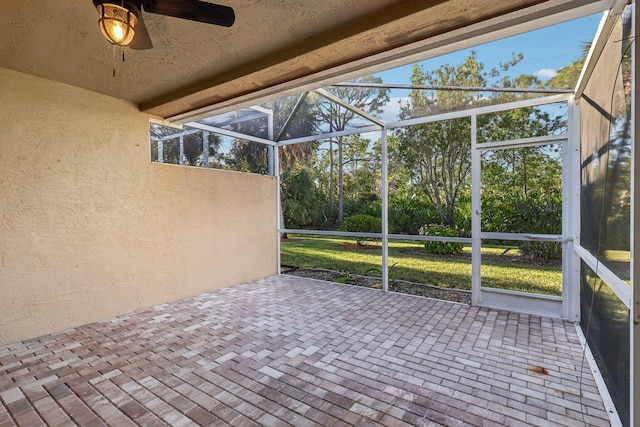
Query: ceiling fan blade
{"points": [[193, 10], [141, 39]]}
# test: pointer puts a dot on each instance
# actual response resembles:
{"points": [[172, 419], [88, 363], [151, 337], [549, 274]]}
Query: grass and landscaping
{"points": [[502, 267]]}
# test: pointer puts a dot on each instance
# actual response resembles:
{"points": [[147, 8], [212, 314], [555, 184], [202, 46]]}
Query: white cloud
{"points": [[545, 73], [391, 110]]}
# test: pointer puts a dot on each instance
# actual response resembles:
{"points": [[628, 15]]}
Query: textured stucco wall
{"points": [[89, 228]]}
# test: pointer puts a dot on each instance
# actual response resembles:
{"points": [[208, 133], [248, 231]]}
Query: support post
{"points": [[181, 159], [205, 148], [271, 160], [274, 170], [571, 215], [271, 150], [634, 315], [476, 297], [385, 210], [160, 151]]}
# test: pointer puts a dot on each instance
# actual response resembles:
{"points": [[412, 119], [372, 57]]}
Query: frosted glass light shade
{"points": [[117, 23]]}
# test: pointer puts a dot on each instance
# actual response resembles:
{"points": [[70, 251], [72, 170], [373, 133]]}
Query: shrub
{"points": [[462, 216], [327, 218], [408, 212], [540, 216], [436, 247], [299, 200], [541, 250], [534, 213], [362, 224]]}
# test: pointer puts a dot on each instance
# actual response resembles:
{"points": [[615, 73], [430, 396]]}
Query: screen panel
{"points": [[605, 323]]}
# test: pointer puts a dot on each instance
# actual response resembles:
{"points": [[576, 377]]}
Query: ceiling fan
{"points": [[122, 24]]}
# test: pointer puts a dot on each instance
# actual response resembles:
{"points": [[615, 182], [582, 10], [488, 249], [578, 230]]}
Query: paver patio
{"points": [[292, 351]]}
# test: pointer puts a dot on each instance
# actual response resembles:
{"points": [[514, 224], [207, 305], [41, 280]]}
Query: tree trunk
{"points": [[450, 219], [331, 173], [524, 172]]}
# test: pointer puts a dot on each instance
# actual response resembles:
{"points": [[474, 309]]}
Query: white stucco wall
{"points": [[90, 228]]}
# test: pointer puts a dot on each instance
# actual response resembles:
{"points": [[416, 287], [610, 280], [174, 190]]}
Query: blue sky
{"points": [[545, 51]]}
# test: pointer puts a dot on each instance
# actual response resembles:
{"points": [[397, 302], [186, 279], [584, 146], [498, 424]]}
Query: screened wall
{"points": [[605, 206]]}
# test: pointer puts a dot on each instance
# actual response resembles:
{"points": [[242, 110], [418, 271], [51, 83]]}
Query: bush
{"points": [[462, 216], [361, 207], [442, 248], [362, 224], [327, 218], [539, 216], [534, 214], [299, 199], [408, 213], [541, 250]]}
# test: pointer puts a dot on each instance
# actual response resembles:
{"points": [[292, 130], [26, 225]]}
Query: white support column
{"points": [[634, 315], [205, 148], [160, 151], [476, 297], [271, 160], [270, 149], [571, 215], [181, 158], [385, 210], [276, 173], [274, 170]]}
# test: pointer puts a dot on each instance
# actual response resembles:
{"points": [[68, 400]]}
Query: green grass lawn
{"points": [[411, 262]]}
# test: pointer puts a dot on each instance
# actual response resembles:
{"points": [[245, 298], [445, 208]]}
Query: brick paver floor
{"points": [[292, 351]]}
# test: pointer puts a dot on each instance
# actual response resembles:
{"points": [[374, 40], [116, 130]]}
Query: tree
{"points": [[567, 77], [302, 123], [248, 156], [191, 146], [361, 163], [299, 198], [526, 179], [520, 172], [370, 100], [252, 157], [438, 154]]}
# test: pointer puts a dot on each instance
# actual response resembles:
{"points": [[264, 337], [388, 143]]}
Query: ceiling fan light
{"points": [[117, 23]]}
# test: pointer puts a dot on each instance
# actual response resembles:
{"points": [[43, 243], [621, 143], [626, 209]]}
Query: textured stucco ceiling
{"points": [[193, 65]]}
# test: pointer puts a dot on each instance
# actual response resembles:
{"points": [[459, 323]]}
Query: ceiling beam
{"points": [[390, 28]]}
